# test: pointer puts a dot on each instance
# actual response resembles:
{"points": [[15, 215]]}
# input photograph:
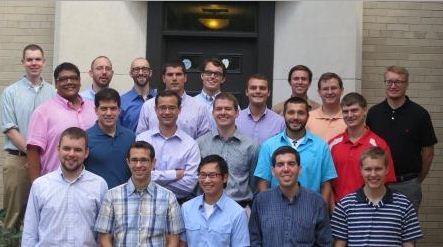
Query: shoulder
{"points": [[311, 196], [192, 205], [316, 139], [377, 107], [412, 106], [265, 196], [206, 137], [273, 141]]}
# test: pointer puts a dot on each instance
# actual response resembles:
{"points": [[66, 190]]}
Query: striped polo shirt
{"points": [[390, 222]]}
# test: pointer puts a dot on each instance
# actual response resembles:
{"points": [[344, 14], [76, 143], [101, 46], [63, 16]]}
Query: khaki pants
{"points": [[16, 184]]}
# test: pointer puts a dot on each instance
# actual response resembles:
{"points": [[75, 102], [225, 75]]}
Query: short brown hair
{"points": [[32, 47], [398, 70], [74, 133], [227, 96], [329, 75], [302, 68], [258, 77], [374, 153]]}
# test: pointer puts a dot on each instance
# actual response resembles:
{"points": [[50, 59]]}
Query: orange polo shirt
{"points": [[325, 126]]}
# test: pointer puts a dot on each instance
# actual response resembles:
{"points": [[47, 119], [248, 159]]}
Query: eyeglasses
{"points": [[391, 82], [164, 108], [143, 161], [212, 73], [211, 175], [142, 69], [65, 79]]}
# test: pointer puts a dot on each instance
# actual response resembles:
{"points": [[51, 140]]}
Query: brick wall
{"points": [[410, 34], [22, 23]]}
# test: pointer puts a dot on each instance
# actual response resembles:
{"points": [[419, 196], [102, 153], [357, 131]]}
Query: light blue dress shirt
{"points": [[88, 94], [227, 225], [18, 101], [315, 159], [63, 213]]}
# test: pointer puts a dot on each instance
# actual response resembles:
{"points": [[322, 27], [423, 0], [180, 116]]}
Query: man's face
{"points": [[212, 78], [257, 92], [72, 153], [286, 170], [107, 113], [33, 63], [140, 72], [140, 164], [211, 180], [224, 113], [374, 172], [167, 111], [299, 83], [175, 79], [68, 84], [296, 117], [396, 85], [101, 72], [354, 115], [330, 92]]}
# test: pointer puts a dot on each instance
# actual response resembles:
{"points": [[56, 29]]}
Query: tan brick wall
{"points": [[22, 23], [410, 34]]}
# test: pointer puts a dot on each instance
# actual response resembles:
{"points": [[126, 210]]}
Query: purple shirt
{"points": [[179, 151], [49, 120], [193, 118], [266, 127]]}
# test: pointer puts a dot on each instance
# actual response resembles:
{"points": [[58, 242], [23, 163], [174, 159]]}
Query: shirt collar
{"points": [[323, 115], [134, 94], [29, 84], [283, 196], [130, 188], [178, 133], [62, 176], [219, 204], [236, 134], [387, 198], [285, 138], [207, 97], [389, 109], [66, 103], [248, 111], [360, 140]]}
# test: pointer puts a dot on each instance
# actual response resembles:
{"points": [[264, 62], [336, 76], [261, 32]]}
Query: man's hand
{"points": [[180, 173]]}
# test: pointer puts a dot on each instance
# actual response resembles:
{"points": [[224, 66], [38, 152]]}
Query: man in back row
{"points": [[101, 73], [194, 116]]}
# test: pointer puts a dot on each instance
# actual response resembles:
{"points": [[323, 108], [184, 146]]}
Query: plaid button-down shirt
{"points": [[139, 219]]}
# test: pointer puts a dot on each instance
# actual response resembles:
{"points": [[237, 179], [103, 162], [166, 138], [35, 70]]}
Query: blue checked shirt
{"points": [[139, 219]]}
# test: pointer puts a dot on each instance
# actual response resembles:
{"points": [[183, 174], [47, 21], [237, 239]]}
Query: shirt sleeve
{"points": [[253, 153], [240, 236], [427, 135], [143, 119], [38, 129], [32, 219], [263, 169], [411, 229], [328, 168], [339, 223], [175, 221], [255, 233], [106, 217], [7, 115]]}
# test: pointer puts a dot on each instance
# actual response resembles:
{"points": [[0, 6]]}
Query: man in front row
{"points": [[139, 212], [375, 215], [64, 204], [214, 219], [289, 215]]}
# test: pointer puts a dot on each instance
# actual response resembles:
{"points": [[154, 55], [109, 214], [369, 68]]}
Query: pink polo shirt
{"points": [[49, 120]]}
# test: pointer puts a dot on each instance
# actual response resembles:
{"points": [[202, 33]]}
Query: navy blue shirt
{"points": [[276, 221], [131, 104], [107, 154]]}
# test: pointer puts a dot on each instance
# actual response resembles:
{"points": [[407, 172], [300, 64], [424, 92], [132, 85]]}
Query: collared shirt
{"points": [[107, 154], [406, 129], [179, 151], [49, 120], [267, 126], [278, 108], [18, 101], [325, 126], [88, 94], [390, 222], [277, 221], [208, 101], [240, 152], [63, 213], [315, 159], [139, 219], [131, 104], [227, 225], [193, 118], [346, 155]]}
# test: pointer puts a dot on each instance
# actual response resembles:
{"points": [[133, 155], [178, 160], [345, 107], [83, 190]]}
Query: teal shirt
{"points": [[315, 159], [18, 101]]}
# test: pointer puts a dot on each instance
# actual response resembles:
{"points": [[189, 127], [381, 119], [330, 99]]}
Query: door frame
{"points": [[155, 45]]}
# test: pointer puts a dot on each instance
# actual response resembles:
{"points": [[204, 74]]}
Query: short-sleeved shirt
{"points": [[346, 155], [48, 122], [139, 218], [325, 126], [315, 159], [240, 152], [267, 126], [18, 101], [131, 104], [406, 129], [226, 226], [390, 222], [278, 108], [107, 154], [193, 118], [179, 151], [277, 221]]}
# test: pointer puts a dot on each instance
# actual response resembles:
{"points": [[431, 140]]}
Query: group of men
{"points": [[152, 168]]}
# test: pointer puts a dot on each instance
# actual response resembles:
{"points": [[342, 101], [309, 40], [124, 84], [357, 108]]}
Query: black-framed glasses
{"points": [[393, 82], [212, 73], [211, 175], [143, 161], [65, 79], [142, 69]]}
